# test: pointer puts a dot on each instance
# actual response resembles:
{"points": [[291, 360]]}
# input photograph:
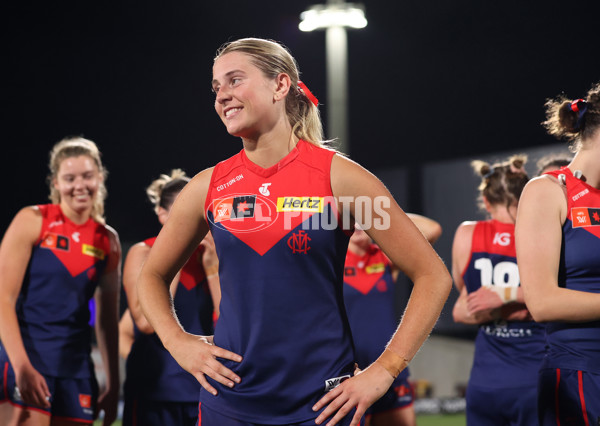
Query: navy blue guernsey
{"points": [[152, 373], [508, 354], [577, 345], [52, 307], [281, 263]]}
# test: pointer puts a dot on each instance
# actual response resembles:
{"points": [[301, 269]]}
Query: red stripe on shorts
{"points": [[582, 398]]}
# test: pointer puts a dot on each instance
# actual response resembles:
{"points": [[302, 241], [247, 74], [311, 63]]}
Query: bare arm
{"points": [[126, 334], [107, 319], [542, 212], [177, 240], [15, 252], [210, 263], [430, 228], [136, 256], [405, 245]]}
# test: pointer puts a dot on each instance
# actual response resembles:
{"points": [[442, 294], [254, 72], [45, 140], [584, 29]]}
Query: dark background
{"points": [[429, 81]]}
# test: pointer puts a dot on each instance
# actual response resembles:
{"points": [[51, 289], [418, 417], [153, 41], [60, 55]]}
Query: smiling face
{"points": [[246, 100], [77, 183]]}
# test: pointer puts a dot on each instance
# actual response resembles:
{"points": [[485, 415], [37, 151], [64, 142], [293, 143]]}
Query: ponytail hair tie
{"points": [[489, 174], [580, 107], [302, 88]]}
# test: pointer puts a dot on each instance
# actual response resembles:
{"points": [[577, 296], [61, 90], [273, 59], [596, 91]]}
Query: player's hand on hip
{"points": [[198, 355], [32, 386], [359, 392]]}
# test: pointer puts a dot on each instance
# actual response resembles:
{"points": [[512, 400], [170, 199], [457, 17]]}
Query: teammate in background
{"points": [[370, 280], [509, 346], [552, 162], [558, 248], [282, 350], [157, 391], [53, 259]]}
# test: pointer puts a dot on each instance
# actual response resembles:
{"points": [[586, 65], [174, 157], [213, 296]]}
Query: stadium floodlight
{"points": [[333, 14], [335, 17]]}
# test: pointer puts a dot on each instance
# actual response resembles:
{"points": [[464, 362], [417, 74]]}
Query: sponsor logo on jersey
{"points": [[300, 204], [235, 208], [502, 238], [230, 182], [75, 236], [93, 251], [55, 242], [298, 242], [85, 400], [375, 268], [264, 189], [580, 194], [335, 382], [585, 216], [350, 271], [55, 223], [243, 212]]}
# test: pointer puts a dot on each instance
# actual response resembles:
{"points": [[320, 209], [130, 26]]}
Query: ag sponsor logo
{"points": [[243, 212], [335, 382], [502, 239]]}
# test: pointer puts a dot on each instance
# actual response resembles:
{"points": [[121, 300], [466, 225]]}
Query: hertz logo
{"points": [[92, 251], [300, 204]]}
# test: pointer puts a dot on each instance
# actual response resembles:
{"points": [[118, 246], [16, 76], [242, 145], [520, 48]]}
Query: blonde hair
{"points": [[76, 146], [501, 183], [272, 59], [163, 191]]}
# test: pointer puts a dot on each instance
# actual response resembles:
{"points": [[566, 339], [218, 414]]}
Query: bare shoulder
{"points": [[113, 237], [543, 186], [543, 194], [138, 249], [27, 223], [464, 234], [350, 178]]}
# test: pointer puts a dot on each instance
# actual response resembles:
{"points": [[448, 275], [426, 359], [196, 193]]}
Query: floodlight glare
{"points": [[338, 14]]}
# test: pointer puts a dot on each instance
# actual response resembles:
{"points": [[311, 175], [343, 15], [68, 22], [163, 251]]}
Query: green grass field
{"points": [[441, 420], [422, 420]]}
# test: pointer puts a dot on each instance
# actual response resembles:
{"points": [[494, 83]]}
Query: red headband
{"points": [[302, 87]]}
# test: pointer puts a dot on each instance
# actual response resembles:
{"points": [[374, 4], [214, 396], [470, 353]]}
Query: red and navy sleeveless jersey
{"points": [[369, 294], [151, 371], [577, 345], [508, 354], [281, 263], [52, 307]]}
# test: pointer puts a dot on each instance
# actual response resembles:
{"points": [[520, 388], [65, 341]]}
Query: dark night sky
{"points": [[429, 80]]}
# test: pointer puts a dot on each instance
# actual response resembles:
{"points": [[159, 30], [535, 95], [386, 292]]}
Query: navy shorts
{"points": [[144, 412], [501, 406], [71, 399], [208, 417], [568, 397], [400, 395]]}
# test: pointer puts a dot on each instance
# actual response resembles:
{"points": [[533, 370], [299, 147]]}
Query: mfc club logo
{"points": [[502, 238], [298, 242], [243, 213]]}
